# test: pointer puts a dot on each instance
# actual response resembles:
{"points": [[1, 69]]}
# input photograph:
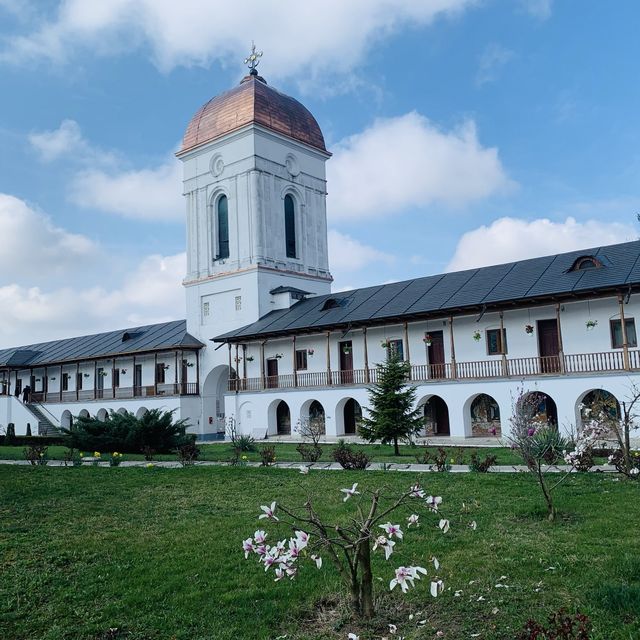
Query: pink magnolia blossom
{"points": [[259, 536], [269, 512], [444, 525], [385, 544], [350, 492], [433, 502], [436, 587], [412, 520], [405, 576], [392, 530], [247, 547], [416, 491]]}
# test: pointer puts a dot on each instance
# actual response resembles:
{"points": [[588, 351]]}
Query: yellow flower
{"points": [[96, 454], [245, 458], [150, 465]]}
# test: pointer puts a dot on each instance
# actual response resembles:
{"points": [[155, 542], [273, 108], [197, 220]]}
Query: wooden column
{"points": [[76, 381], [197, 372], [155, 373], [294, 362], [623, 326], [60, 383], [505, 367], [328, 357], [45, 384], [95, 379], [133, 376], [244, 364], [237, 375], [366, 355], [560, 345], [176, 388], [113, 377], [231, 385], [262, 378], [454, 373], [407, 354]]}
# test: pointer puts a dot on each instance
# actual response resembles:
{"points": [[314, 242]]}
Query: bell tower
{"points": [[255, 189]]}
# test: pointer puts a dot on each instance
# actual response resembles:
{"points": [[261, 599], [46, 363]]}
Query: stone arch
{"points": [[482, 416], [313, 410], [83, 413], [102, 414], [596, 401], [141, 411], [66, 419], [122, 411], [214, 389], [543, 407], [348, 416], [279, 418], [436, 416]]}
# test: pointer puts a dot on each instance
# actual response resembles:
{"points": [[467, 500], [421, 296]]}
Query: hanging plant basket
{"points": [[528, 328], [477, 336], [249, 358], [346, 350], [591, 324], [427, 339], [310, 352]]}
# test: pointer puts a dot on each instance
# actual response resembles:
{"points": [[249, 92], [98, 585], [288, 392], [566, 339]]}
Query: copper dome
{"points": [[253, 101]]}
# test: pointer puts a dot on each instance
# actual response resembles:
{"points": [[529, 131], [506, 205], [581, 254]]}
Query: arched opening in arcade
{"points": [[436, 417], [351, 416], [540, 407], [601, 407], [283, 419], [485, 416]]}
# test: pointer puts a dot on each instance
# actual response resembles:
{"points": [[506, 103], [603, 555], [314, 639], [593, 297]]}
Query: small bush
{"points": [[36, 454], [148, 452], [244, 443], [560, 626], [71, 457], [188, 453], [481, 466], [309, 452], [267, 455], [347, 458], [618, 461], [115, 459], [440, 459], [25, 441], [10, 437]]}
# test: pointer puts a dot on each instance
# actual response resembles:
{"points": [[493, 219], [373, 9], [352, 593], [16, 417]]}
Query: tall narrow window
{"points": [[290, 226], [222, 216]]}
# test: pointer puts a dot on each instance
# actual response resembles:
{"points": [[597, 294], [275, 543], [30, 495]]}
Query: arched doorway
{"points": [[542, 408], [101, 415], [316, 415], [215, 387], [66, 421], [140, 412], [352, 416], [485, 416], [436, 417], [283, 419], [599, 405], [83, 413]]}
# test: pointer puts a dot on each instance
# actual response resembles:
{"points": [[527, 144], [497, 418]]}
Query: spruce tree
{"points": [[391, 400]]}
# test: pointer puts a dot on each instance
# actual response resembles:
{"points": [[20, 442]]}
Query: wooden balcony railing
{"points": [[149, 391], [498, 368]]}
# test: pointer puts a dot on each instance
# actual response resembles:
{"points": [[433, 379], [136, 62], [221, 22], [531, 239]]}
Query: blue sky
{"points": [[464, 133]]}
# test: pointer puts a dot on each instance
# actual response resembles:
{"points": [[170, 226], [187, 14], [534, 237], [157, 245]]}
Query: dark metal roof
{"points": [[282, 289], [524, 281], [148, 338]]}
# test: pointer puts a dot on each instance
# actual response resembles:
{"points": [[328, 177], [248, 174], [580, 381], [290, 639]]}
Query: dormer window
{"points": [[333, 303], [586, 262]]}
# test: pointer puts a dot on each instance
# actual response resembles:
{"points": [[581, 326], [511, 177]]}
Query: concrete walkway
{"points": [[322, 466]]}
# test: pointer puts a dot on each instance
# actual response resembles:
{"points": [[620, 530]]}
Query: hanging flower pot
{"points": [[310, 352], [591, 324], [249, 358], [528, 328], [346, 350], [427, 339], [477, 336]]}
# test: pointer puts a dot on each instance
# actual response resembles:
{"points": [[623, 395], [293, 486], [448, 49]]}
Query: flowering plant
{"points": [[427, 339], [310, 352], [115, 459], [590, 324], [477, 336], [528, 328], [348, 544]]}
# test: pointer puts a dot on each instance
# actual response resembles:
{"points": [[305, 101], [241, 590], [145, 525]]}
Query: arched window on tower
{"points": [[290, 226], [222, 220]]}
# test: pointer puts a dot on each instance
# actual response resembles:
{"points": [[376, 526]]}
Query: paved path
{"points": [[324, 466]]}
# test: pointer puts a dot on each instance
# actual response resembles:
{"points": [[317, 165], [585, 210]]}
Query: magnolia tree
{"points": [[541, 445], [349, 543]]}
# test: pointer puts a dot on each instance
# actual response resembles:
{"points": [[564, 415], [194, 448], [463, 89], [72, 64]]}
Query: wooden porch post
{"points": [[237, 378], [406, 347], [77, 378], [366, 355], [623, 326], [560, 344], [244, 364], [505, 367], [133, 385], [60, 383], [294, 362], [262, 378], [176, 388], [95, 379], [328, 357], [454, 373], [197, 372], [113, 377], [231, 369]]}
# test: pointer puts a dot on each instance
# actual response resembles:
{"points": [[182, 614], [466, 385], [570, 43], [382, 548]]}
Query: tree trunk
{"points": [[355, 594], [551, 510], [396, 448], [366, 582]]}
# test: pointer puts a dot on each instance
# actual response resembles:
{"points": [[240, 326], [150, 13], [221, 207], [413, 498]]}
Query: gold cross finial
{"points": [[253, 59]]}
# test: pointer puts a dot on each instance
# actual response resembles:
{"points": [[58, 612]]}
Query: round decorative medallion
{"points": [[292, 165], [217, 165]]}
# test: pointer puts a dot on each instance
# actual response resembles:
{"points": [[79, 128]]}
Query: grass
{"points": [[286, 452], [156, 554]]}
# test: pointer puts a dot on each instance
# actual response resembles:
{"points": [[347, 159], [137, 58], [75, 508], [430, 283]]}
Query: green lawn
{"points": [[286, 452], [156, 553]]}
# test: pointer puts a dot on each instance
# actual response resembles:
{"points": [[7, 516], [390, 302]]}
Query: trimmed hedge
{"points": [[25, 441]]}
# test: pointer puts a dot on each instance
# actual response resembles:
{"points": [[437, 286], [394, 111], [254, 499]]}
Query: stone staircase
{"points": [[44, 420]]}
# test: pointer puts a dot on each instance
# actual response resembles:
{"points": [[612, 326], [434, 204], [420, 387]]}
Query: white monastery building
{"points": [[266, 342]]}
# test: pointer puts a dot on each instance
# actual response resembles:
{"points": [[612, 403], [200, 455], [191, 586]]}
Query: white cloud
{"points": [[407, 161], [540, 9], [151, 293], [492, 60], [147, 194], [325, 34], [347, 254], [31, 245], [64, 140], [508, 239]]}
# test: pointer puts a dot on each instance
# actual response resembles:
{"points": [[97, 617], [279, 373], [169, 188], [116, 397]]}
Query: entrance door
{"points": [[272, 373], [436, 355], [137, 380], [346, 362], [548, 346], [283, 419], [100, 382], [352, 416]]}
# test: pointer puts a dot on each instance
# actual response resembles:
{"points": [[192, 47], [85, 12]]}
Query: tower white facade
{"points": [[255, 190]]}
